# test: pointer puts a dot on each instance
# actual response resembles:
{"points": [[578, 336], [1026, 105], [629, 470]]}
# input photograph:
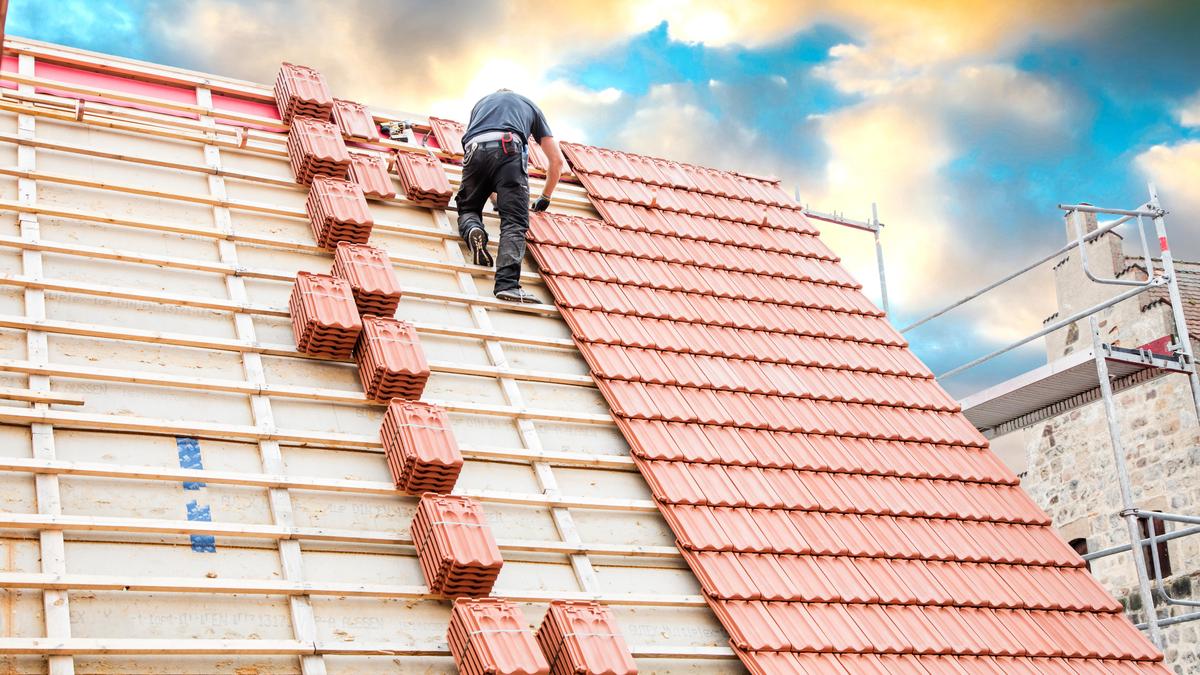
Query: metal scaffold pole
{"points": [[1181, 329], [883, 292], [1128, 507]]}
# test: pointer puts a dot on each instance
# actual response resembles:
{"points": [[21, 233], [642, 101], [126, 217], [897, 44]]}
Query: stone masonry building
{"points": [[1068, 459]]}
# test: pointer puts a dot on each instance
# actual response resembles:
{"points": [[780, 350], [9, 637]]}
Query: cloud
{"points": [[1189, 112], [1175, 171], [899, 147]]}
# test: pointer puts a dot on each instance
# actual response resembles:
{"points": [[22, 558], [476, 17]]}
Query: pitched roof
{"points": [[1189, 289], [837, 508]]}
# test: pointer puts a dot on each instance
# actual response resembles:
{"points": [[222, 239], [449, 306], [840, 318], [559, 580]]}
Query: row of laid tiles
{"points": [[809, 578], [630, 166], [817, 663], [742, 343], [734, 446], [699, 483], [782, 413], [743, 530], [596, 235], [913, 629], [654, 366], [583, 264], [678, 306], [695, 203], [634, 218]]}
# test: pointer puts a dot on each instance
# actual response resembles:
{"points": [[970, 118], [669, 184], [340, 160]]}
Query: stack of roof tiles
{"points": [[423, 179], [337, 212], [354, 120], [315, 148], [421, 451], [370, 171], [489, 636], [325, 321], [839, 511], [458, 555], [369, 272], [582, 638], [391, 363], [302, 91]]}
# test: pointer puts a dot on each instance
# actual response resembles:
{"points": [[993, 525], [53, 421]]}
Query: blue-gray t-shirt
{"points": [[507, 111]]}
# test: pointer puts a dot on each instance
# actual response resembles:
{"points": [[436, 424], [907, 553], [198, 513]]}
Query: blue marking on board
{"points": [[189, 458], [201, 543]]}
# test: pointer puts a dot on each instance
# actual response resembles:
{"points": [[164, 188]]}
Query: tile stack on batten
{"points": [[839, 511], [351, 313], [490, 637]]}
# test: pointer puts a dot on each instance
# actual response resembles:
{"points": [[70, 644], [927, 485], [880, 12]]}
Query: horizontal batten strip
{"points": [[161, 427], [168, 474]]}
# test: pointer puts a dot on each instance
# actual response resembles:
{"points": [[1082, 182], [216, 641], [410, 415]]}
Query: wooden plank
{"points": [[159, 427], [138, 584], [51, 546], [37, 396], [288, 391], [73, 523], [282, 390], [189, 646], [233, 345], [291, 561], [267, 480]]}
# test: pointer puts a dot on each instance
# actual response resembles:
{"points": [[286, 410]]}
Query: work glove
{"points": [[542, 203]]}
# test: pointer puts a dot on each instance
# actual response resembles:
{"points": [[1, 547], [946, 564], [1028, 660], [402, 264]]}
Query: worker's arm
{"points": [[553, 172]]}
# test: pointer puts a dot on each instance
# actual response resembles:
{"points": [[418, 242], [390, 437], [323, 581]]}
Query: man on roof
{"points": [[496, 160]]}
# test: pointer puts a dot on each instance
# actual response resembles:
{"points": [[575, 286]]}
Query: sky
{"points": [[966, 121]]}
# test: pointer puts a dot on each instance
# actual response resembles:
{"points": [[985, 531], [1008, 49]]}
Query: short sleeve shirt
{"points": [[507, 111]]}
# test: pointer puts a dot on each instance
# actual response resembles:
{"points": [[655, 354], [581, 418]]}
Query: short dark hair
{"points": [[503, 89]]}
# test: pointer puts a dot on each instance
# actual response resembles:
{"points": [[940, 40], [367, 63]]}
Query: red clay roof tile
{"points": [[300, 90], [751, 626], [354, 120], [583, 637], [370, 171], [423, 179], [902, 533], [490, 635], [316, 148], [448, 134]]}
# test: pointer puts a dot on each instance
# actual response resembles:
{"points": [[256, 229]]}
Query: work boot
{"points": [[518, 294], [477, 242]]}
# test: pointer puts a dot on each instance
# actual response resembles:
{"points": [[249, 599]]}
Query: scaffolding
{"points": [[1095, 370], [873, 226]]}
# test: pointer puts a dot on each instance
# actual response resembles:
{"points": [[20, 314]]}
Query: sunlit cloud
{"points": [[1175, 171]]}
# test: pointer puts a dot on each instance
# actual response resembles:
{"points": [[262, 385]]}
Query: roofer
{"points": [[497, 160]]}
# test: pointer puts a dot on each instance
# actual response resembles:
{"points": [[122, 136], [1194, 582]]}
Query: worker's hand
{"points": [[542, 203]]}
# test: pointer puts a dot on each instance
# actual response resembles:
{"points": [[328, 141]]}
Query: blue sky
{"points": [[967, 122]]}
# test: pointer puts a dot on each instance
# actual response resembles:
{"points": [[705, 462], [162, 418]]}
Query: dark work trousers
{"points": [[487, 169]]}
